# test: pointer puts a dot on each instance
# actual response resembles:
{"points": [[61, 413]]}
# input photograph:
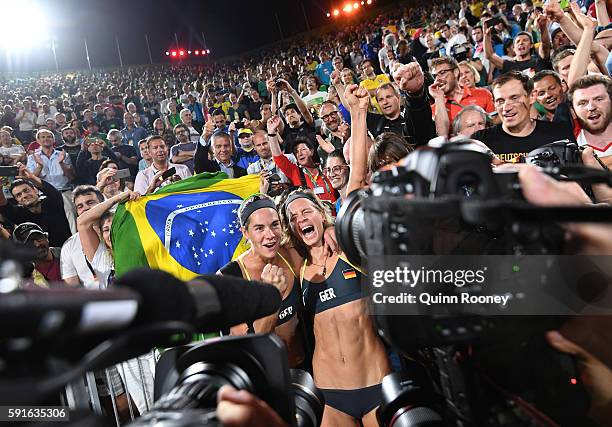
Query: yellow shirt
{"points": [[313, 66], [375, 83], [476, 9], [225, 106]]}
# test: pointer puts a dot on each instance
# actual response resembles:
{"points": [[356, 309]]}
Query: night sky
{"points": [[230, 28]]}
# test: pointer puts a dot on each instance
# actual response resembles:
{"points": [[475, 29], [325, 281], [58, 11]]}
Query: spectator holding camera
{"points": [[29, 206], [300, 122], [149, 179], [266, 162]]}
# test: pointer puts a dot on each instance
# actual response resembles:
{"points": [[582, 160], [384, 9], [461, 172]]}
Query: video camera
{"points": [[445, 200], [51, 337]]}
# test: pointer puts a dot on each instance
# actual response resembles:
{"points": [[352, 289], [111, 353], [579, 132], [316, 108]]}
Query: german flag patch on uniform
{"points": [[349, 274]]}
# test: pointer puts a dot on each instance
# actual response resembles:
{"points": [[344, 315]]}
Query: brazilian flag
{"points": [[186, 228]]}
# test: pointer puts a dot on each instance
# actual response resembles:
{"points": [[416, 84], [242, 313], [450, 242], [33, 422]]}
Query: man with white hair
{"points": [[389, 44]]}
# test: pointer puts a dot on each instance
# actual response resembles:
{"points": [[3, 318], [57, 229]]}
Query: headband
{"points": [[295, 196], [253, 206]]}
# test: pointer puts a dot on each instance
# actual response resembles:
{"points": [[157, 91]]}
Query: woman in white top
{"points": [[138, 373]]}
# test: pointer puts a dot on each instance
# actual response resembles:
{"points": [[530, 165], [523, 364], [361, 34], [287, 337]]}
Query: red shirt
{"points": [[471, 96], [50, 270], [321, 184]]}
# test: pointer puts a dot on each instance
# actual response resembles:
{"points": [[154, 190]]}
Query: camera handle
{"points": [[129, 344]]}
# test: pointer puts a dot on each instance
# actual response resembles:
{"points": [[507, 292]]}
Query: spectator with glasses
{"points": [[335, 131], [337, 171]]}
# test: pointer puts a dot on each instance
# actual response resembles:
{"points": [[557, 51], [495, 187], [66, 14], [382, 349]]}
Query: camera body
{"points": [[188, 378], [446, 199]]}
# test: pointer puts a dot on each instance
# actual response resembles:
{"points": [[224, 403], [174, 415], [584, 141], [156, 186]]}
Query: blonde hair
{"points": [[290, 238]]}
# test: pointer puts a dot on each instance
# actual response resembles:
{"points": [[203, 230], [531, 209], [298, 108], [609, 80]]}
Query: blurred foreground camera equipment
{"points": [[446, 200], [188, 379], [51, 337]]}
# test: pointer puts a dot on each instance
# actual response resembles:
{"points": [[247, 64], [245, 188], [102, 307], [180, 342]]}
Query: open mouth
{"points": [[269, 245], [551, 101], [509, 115], [308, 230], [594, 116]]}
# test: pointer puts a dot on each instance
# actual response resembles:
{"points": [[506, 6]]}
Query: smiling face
{"points": [[264, 231], [445, 77], [222, 149], [337, 171], [25, 195], [306, 222], [512, 105], [593, 108], [548, 92], [303, 154]]}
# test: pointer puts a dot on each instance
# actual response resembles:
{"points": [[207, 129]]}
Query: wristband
{"points": [[271, 134]]}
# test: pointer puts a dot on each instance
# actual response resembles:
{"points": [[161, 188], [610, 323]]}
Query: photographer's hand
{"points": [[239, 408], [595, 375], [542, 190], [603, 193]]}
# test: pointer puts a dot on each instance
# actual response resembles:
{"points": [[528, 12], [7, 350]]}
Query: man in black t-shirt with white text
{"points": [[518, 134]]}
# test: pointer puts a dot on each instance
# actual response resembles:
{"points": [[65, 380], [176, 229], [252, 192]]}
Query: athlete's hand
{"points": [[275, 276]]}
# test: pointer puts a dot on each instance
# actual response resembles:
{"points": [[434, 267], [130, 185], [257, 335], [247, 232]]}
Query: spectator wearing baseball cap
{"points": [[245, 152], [47, 259]]}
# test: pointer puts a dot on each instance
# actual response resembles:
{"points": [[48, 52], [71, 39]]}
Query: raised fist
{"points": [[409, 77], [275, 276]]}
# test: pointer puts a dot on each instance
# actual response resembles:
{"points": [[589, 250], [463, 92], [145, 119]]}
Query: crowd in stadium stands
{"points": [[323, 113]]}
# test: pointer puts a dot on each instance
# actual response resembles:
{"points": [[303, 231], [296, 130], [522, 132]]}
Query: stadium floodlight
{"points": [[355, 5], [328, 14], [181, 52], [197, 52], [189, 52], [167, 53], [336, 12], [348, 8], [207, 51], [174, 53], [14, 14], [369, 1]]}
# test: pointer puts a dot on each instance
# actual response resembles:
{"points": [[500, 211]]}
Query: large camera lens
{"points": [[309, 401], [406, 404], [351, 227]]}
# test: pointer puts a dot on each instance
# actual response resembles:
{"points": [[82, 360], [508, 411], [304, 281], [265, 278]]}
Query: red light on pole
{"points": [[197, 52], [173, 53], [181, 53]]}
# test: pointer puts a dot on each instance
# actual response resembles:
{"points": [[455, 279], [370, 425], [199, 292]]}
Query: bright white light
{"points": [[13, 35]]}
